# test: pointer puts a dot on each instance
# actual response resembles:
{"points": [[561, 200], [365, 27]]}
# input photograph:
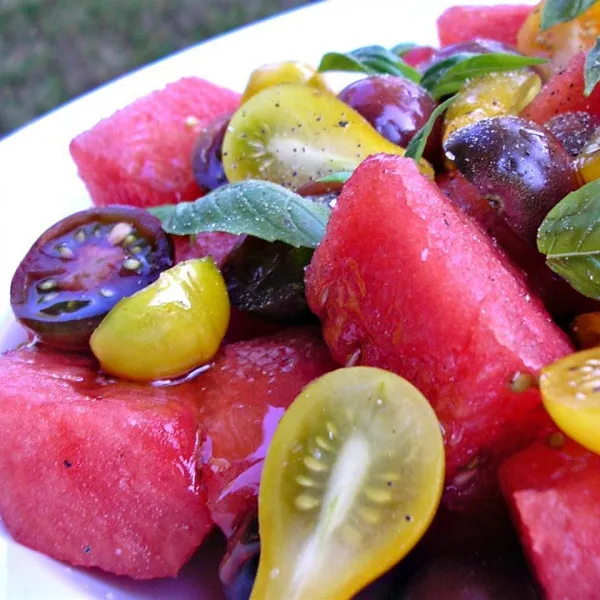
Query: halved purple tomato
{"points": [[81, 267]]}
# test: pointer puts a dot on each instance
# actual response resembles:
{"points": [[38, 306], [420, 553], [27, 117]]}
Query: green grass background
{"points": [[54, 50]]}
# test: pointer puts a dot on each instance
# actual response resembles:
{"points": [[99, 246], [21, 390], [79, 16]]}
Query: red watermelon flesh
{"points": [[216, 244], [240, 424], [564, 93], [141, 155], [96, 472], [554, 495], [465, 23], [404, 281]]}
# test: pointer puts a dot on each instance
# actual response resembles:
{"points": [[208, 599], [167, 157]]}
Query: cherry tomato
{"points": [[396, 107], [491, 95], [293, 134], [81, 267], [351, 482], [571, 393], [207, 159], [519, 166], [168, 328], [573, 129], [587, 162], [283, 72], [586, 329], [560, 42]]}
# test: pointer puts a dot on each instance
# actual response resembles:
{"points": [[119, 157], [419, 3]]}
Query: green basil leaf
{"points": [[561, 11], [258, 208], [592, 68], [372, 60], [570, 238], [448, 76], [417, 144], [401, 49], [339, 177]]}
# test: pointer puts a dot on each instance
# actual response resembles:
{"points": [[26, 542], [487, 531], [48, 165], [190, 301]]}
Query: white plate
{"points": [[39, 185]]}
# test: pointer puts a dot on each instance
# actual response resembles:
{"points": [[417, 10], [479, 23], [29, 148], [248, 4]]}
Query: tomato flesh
{"points": [[351, 481], [81, 267]]}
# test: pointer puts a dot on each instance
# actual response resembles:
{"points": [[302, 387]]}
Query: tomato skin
{"points": [[79, 275], [168, 328], [403, 281], [553, 491]]}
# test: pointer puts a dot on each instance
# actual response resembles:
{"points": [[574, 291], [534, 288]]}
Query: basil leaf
{"points": [[592, 68], [570, 238], [417, 144], [339, 177], [561, 11], [372, 60], [401, 49], [448, 76], [258, 208]]}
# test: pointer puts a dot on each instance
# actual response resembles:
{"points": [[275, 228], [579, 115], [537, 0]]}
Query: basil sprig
{"points": [[443, 78], [372, 60], [562, 11], [417, 144], [258, 208], [570, 239], [592, 68], [448, 76]]}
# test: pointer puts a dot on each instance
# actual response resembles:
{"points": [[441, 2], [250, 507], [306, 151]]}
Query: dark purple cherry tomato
{"points": [[396, 107], [324, 192], [573, 129], [472, 576], [207, 158], [82, 266], [267, 279], [517, 165]]}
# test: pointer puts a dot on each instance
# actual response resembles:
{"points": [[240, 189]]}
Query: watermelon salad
{"points": [[355, 331]]}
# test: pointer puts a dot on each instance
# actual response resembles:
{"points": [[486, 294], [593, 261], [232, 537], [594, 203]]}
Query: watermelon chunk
{"points": [[554, 494], [215, 244], [141, 155], [404, 281], [240, 424], [465, 23], [564, 93], [96, 472]]}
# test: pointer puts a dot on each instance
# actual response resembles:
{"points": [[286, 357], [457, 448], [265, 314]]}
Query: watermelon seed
{"points": [[521, 382], [87, 549], [67, 464]]}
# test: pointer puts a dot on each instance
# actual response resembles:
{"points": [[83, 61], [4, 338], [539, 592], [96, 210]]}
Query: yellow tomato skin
{"points": [[587, 162], [170, 327], [492, 95], [352, 480], [570, 391], [293, 134], [283, 72], [560, 42]]}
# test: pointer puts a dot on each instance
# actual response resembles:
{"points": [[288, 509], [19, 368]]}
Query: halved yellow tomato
{"points": [[571, 393], [352, 480], [168, 328]]}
